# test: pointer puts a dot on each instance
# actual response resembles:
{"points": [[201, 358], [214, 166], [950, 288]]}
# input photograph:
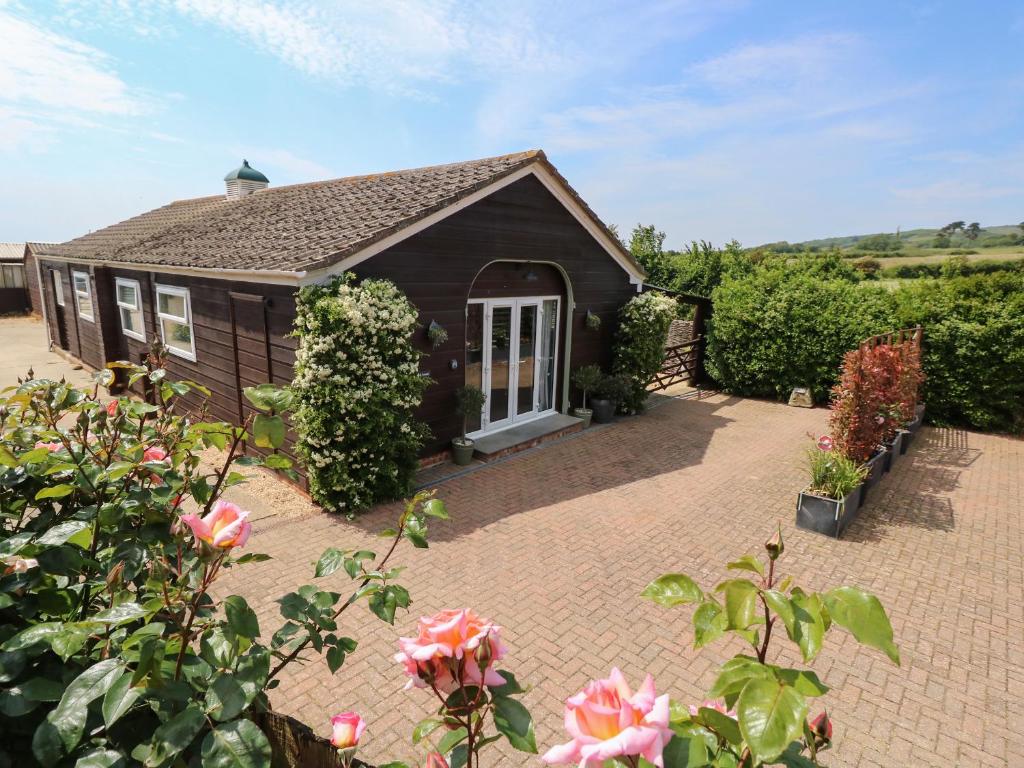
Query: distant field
{"points": [[988, 254]]}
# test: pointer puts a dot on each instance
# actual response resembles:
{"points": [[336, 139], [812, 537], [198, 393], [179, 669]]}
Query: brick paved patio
{"points": [[556, 544]]}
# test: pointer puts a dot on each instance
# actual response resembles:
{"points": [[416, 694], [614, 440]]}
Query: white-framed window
{"points": [[174, 315], [129, 306], [83, 295], [58, 287]]}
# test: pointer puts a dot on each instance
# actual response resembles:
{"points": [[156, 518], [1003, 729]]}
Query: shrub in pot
{"points": [[611, 392], [832, 497], [586, 378], [469, 401]]}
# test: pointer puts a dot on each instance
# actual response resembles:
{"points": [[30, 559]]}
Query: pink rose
{"points": [[442, 641], [346, 730], [51, 447], [226, 526], [436, 760], [155, 453], [608, 720]]}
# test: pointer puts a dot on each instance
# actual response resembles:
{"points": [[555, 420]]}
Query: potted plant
{"points": [[612, 390], [469, 401], [832, 498], [586, 378]]}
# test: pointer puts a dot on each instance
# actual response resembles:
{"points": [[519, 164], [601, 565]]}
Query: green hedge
{"points": [[974, 348], [935, 269], [782, 327]]}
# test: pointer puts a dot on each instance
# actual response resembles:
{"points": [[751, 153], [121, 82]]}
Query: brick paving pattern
{"points": [[556, 544]]}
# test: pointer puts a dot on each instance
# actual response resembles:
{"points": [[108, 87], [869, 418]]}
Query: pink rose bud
{"points": [[346, 730], [775, 546], [14, 564], [155, 453], [112, 408], [436, 760], [51, 447], [821, 726]]}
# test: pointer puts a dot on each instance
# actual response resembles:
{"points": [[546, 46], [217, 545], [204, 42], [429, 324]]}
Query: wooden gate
{"points": [[681, 365]]}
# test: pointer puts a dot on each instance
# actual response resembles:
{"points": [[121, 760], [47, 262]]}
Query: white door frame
{"points": [[515, 305]]}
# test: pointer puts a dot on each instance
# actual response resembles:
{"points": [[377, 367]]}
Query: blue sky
{"points": [[755, 120]]}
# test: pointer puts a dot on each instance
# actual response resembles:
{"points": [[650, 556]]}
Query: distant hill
{"points": [[996, 236]]}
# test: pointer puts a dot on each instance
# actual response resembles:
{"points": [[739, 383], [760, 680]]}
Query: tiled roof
{"points": [[294, 228]]}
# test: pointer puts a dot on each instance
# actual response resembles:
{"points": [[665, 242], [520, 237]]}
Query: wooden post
{"points": [[700, 317]]}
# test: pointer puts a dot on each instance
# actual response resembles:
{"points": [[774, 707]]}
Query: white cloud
{"points": [[39, 66], [803, 59]]}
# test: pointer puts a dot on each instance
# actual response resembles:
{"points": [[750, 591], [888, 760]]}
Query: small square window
{"points": [[83, 295], [174, 312], [129, 306]]}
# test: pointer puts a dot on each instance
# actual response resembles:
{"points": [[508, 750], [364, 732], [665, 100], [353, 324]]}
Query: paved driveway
{"points": [[556, 544]]}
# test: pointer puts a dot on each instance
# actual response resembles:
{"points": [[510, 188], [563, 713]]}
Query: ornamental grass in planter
{"points": [[832, 498]]}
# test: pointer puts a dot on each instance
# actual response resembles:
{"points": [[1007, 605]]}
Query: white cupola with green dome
{"points": [[243, 181]]}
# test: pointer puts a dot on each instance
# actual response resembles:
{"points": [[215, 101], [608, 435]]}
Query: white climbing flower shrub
{"points": [[357, 386], [640, 342]]}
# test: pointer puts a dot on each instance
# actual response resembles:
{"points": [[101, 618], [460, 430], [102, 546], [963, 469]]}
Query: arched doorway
{"points": [[515, 342]]}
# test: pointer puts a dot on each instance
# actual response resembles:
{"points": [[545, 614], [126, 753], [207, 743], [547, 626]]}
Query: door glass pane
{"points": [[527, 342], [548, 331], [474, 356], [501, 340]]}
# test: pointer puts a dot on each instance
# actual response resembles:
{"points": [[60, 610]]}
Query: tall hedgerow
{"points": [[782, 327], [973, 348], [357, 385]]}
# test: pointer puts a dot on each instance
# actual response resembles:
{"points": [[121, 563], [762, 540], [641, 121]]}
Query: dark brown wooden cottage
{"points": [[501, 252]]}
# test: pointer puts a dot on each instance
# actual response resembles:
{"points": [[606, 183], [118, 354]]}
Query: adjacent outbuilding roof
{"points": [[306, 227], [12, 252]]}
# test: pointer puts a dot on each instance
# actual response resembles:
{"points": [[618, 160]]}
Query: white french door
{"points": [[511, 351]]}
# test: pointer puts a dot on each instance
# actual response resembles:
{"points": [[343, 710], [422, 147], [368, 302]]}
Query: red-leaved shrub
{"points": [[876, 395], [854, 425]]}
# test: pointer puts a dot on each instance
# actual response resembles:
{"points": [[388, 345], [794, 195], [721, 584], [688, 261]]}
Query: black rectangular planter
{"points": [[828, 516], [906, 438], [892, 450], [876, 468]]}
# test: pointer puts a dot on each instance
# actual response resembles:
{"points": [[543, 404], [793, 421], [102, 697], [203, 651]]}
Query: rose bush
{"points": [[113, 530], [757, 713]]}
